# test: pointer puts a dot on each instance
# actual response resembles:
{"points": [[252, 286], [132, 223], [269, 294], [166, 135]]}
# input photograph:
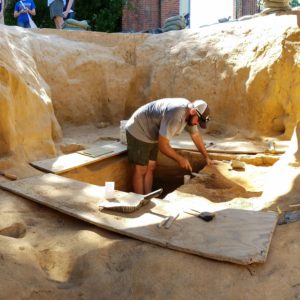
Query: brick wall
{"points": [[148, 14], [244, 7], [169, 8]]}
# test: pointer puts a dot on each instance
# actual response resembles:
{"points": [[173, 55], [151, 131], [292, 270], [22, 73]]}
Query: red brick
{"points": [[244, 7], [148, 14]]}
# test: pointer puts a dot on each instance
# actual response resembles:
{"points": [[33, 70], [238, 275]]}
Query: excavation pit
{"points": [[111, 164], [168, 174], [233, 219]]}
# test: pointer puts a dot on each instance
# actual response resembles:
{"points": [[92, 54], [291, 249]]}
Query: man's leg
{"points": [[56, 13], [148, 179], [58, 22], [138, 179]]}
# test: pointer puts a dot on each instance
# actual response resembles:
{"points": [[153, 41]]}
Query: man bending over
{"points": [[151, 128]]}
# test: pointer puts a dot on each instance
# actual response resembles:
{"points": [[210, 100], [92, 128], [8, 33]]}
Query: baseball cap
{"points": [[202, 112]]}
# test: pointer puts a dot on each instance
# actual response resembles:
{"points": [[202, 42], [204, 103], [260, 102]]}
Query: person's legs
{"points": [[58, 21], [143, 178], [143, 157], [56, 13], [148, 178], [138, 179]]}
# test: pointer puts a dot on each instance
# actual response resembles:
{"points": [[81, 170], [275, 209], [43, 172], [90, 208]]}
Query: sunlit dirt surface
{"points": [[48, 255]]}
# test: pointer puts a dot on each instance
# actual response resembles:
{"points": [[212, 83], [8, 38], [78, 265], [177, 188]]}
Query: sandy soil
{"points": [[248, 72], [47, 255]]}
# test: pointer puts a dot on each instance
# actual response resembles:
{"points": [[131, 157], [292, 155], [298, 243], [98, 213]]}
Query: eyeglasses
{"points": [[204, 120]]}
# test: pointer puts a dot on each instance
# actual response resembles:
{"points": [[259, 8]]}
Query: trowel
{"points": [[195, 174]]}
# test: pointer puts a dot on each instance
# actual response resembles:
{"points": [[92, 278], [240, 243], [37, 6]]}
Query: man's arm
{"points": [[67, 11], [18, 11], [31, 11], [165, 148], [198, 141]]}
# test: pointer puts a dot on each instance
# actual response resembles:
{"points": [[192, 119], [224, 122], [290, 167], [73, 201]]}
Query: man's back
{"points": [[166, 117]]}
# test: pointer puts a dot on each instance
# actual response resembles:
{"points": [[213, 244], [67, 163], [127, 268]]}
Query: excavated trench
{"points": [[168, 174]]}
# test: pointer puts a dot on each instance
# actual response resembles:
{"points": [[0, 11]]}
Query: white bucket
{"points": [[123, 138], [186, 179], [109, 189]]}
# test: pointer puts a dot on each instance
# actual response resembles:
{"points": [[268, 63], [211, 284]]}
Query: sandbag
{"points": [[278, 1], [175, 18], [267, 11], [72, 23], [269, 4], [175, 22], [171, 28]]}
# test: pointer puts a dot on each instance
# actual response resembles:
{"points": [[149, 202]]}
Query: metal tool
{"points": [[205, 215], [153, 194], [168, 221], [195, 174]]}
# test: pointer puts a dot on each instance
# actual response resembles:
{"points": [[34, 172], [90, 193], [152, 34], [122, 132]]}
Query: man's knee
{"points": [[151, 166], [140, 170]]}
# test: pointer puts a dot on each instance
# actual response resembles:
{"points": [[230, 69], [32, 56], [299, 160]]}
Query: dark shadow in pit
{"points": [[209, 183]]}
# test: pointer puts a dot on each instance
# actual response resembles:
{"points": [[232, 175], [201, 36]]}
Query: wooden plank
{"points": [[234, 147], [94, 152], [234, 235], [71, 161]]}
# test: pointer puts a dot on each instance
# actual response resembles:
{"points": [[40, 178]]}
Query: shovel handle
{"points": [[153, 194]]}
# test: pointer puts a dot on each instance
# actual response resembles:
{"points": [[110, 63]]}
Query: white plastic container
{"points": [[186, 179], [109, 190], [123, 138]]}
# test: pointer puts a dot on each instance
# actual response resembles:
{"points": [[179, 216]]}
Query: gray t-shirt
{"points": [[165, 117]]}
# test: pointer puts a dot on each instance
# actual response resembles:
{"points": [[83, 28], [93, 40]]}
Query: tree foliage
{"points": [[102, 15], [294, 3]]}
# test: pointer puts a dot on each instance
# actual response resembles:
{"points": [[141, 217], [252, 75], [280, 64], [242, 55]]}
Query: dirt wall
{"points": [[247, 71]]}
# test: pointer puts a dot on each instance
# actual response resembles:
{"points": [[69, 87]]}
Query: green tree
{"points": [[105, 15], [102, 15], [294, 3]]}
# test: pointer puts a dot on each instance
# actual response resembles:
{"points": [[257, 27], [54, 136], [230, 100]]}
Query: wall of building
{"points": [[169, 8], [140, 15], [243, 8], [184, 7], [143, 15]]}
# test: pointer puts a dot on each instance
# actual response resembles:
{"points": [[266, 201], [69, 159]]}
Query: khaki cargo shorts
{"points": [[139, 153]]}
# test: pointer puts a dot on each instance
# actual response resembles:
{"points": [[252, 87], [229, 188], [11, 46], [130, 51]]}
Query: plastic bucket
{"points": [[123, 138]]}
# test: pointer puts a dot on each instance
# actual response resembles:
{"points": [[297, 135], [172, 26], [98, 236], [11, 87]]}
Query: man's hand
{"points": [[210, 162], [165, 148], [184, 163]]}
